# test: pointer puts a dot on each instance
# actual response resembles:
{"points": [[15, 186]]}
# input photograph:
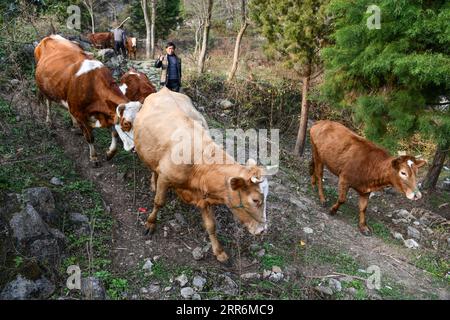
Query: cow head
{"points": [[247, 196], [405, 169], [126, 113]]}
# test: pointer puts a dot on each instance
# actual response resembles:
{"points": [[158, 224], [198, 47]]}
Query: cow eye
{"points": [[403, 173]]}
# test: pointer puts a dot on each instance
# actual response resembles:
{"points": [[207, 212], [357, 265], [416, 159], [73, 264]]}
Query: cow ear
{"points": [[419, 163], [237, 183], [120, 108], [396, 163]]}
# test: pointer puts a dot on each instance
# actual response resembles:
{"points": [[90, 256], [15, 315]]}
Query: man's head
{"points": [[170, 48]]}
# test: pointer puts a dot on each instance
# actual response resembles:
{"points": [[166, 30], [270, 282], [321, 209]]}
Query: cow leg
{"points": [[343, 189], [87, 133], [48, 118], [318, 170], [210, 226], [160, 198], [153, 181], [113, 147], [363, 200]]}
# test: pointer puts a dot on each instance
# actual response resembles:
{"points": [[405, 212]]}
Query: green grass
{"points": [[438, 267]]}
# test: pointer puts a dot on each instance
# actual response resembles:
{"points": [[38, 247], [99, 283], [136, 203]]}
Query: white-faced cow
{"points": [[212, 178], [136, 86], [360, 165], [67, 75]]}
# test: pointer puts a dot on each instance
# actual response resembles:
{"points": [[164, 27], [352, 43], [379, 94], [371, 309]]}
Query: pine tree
{"points": [[295, 32], [395, 79]]}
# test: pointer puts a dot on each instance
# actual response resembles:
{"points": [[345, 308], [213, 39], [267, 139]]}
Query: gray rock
{"points": [[143, 290], [404, 214], [199, 282], [45, 251], [446, 185], [224, 103], [351, 291], [56, 181], [148, 265], [182, 280], [41, 198], [78, 218], [28, 224], [227, 286], [335, 285], [154, 288], [398, 236], [300, 205], [60, 237], [22, 288], [187, 292], [81, 222], [276, 269], [276, 276], [179, 217], [14, 82], [325, 290], [197, 253], [308, 230], [261, 253], [250, 275], [448, 241], [413, 233], [92, 289], [106, 54], [411, 244], [196, 296]]}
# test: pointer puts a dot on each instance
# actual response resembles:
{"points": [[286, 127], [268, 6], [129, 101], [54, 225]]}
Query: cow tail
{"points": [[311, 166]]}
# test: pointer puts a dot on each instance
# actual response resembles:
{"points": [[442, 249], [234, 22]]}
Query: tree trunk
{"points": [[301, 136], [435, 169], [237, 46], [198, 38], [152, 31], [207, 25], [147, 28], [90, 7]]}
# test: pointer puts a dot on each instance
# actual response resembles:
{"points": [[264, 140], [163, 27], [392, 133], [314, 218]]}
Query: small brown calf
{"points": [[360, 165]]}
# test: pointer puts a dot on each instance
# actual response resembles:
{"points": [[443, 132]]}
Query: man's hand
{"points": [[161, 58]]}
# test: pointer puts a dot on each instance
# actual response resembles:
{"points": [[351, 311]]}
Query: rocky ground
{"points": [[93, 217]]}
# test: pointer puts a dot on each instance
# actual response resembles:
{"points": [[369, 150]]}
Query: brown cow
{"points": [[136, 86], [360, 165], [66, 74], [213, 178], [101, 40], [131, 47]]}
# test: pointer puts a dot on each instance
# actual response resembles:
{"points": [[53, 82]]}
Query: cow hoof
{"points": [[223, 257], [110, 155], [332, 212], [228, 263], [149, 230], [365, 231], [95, 163], [323, 204]]}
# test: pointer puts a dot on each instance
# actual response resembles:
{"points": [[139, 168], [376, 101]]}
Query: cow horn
{"points": [[119, 109], [254, 179]]}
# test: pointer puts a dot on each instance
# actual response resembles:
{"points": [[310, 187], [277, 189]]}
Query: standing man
{"points": [[171, 68], [119, 41]]}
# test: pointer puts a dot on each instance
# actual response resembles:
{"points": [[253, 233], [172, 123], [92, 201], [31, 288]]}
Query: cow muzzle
{"points": [[414, 195]]}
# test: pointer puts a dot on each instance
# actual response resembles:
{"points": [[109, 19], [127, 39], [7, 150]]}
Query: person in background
{"points": [[120, 39], [171, 68]]}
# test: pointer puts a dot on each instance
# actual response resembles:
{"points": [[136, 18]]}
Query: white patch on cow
{"points": [[133, 42], [58, 37], [65, 104], [113, 145], [129, 114], [137, 74], [131, 109], [410, 163], [126, 137], [123, 88], [97, 124], [264, 187], [87, 66]]}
